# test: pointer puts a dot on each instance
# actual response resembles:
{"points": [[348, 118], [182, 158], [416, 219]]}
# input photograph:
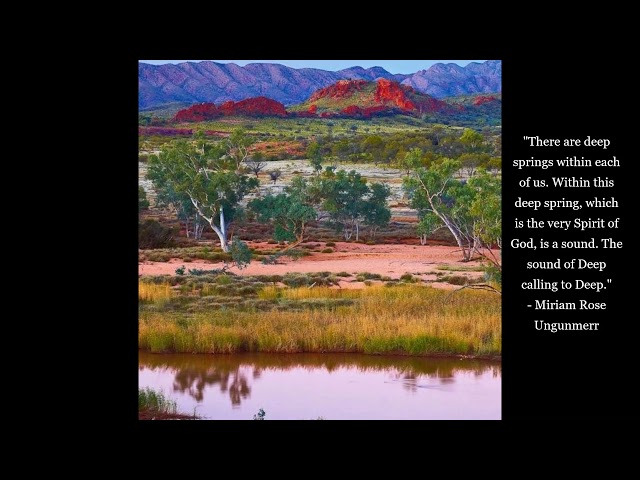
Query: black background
{"points": [[569, 95], [553, 92]]}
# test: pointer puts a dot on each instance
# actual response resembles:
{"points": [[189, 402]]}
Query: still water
{"points": [[331, 386]]}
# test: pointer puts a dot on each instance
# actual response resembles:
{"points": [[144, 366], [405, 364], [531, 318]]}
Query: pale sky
{"points": [[391, 66]]}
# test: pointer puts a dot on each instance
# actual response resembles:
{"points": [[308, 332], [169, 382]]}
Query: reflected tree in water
{"points": [[194, 380]]}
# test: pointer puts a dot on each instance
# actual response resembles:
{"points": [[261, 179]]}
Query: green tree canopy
{"points": [[288, 214], [471, 210], [211, 175]]}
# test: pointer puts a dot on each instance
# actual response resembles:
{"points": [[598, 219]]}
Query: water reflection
{"points": [[193, 381], [233, 375]]}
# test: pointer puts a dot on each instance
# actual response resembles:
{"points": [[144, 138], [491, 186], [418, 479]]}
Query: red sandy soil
{"points": [[390, 260]]}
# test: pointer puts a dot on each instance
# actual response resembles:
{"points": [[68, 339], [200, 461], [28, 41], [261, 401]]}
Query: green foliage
{"points": [[197, 272], [151, 400], [224, 280], [349, 201], [374, 146], [376, 212], [240, 253], [361, 277], [167, 195], [210, 175], [143, 203], [314, 155], [152, 234], [472, 211], [180, 270], [486, 208], [343, 199], [442, 201], [472, 138], [287, 212], [317, 279], [493, 274]]}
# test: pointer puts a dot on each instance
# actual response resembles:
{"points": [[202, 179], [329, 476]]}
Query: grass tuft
{"points": [[249, 316]]}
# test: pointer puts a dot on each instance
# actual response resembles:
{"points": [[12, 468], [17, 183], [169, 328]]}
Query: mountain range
{"points": [[206, 81]]}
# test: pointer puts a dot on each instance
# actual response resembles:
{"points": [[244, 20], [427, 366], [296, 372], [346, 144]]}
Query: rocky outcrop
{"points": [[340, 89], [391, 92], [251, 107], [482, 99]]}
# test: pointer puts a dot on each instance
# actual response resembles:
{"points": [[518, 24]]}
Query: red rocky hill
{"points": [[359, 98], [251, 107]]}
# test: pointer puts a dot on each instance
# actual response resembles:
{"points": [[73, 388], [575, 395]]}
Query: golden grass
{"points": [[407, 319], [304, 293], [270, 293], [150, 292]]}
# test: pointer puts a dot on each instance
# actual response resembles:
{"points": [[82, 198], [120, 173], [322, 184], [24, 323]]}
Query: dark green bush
{"points": [[152, 234]]}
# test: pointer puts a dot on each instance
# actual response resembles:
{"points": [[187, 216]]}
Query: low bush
{"points": [[455, 279], [152, 234], [361, 277]]}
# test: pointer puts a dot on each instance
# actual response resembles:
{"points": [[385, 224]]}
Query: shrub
{"points": [[240, 253], [330, 244], [143, 203], [293, 254], [407, 277], [455, 279], [199, 272], [267, 278], [295, 280], [270, 260], [152, 234], [343, 274], [370, 242], [327, 250], [361, 277], [180, 270], [158, 257], [223, 280]]}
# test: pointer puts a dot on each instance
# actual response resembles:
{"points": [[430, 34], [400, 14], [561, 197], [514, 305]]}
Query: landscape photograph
{"points": [[319, 239]]}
